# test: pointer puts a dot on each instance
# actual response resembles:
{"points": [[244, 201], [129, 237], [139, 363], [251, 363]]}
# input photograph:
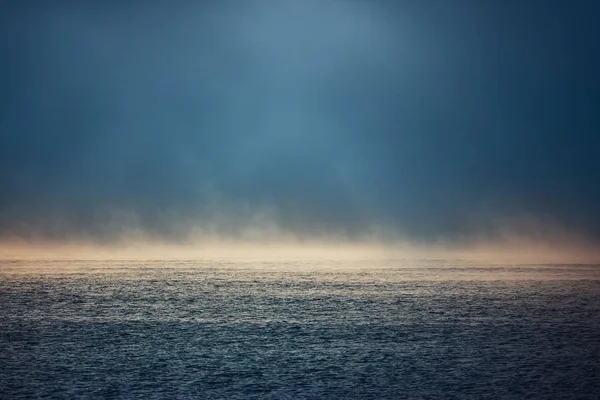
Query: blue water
{"points": [[321, 329]]}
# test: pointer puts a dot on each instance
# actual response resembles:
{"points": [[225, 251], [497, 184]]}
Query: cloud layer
{"points": [[430, 121]]}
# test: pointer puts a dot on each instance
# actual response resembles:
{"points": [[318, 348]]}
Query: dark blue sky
{"points": [[438, 119]]}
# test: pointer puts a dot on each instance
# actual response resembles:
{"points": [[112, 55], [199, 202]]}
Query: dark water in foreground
{"points": [[360, 329]]}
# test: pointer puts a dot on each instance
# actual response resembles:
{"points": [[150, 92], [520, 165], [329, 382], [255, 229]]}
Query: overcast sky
{"points": [[436, 119]]}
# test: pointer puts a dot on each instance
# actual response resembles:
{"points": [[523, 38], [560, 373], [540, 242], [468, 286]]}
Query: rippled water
{"points": [[327, 329]]}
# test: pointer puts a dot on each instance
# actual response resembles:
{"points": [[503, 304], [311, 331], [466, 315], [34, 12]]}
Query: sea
{"points": [[298, 329]]}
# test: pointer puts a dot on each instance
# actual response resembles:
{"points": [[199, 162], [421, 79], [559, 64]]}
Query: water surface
{"points": [[305, 329]]}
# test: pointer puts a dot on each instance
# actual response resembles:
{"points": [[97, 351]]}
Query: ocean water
{"points": [[380, 329]]}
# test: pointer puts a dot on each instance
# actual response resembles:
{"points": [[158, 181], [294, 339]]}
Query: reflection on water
{"points": [[351, 329]]}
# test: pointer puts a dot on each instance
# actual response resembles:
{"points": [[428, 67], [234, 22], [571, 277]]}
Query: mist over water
{"points": [[299, 199]]}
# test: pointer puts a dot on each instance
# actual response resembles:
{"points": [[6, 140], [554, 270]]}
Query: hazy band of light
{"points": [[509, 249]]}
